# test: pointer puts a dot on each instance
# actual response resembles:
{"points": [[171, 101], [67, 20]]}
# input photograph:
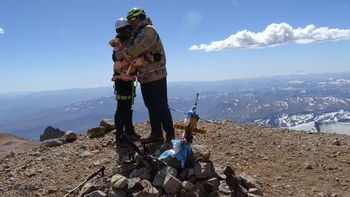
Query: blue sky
{"points": [[59, 44]]}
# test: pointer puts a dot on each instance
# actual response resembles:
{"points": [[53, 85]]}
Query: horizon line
{"points": [[183, 81]]}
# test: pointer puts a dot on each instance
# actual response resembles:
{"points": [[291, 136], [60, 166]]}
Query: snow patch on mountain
{"points": [[295, 82], [306, 122], [340, 82]]}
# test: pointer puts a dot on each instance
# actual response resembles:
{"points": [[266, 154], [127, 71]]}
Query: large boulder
{"points": [[51, 133]]}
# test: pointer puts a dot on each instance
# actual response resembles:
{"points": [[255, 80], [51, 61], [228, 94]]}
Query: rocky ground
{"points": [[10, 143], [285, 162]]}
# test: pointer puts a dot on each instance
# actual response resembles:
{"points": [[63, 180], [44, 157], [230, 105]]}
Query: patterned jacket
{"points": [[146, 43]]}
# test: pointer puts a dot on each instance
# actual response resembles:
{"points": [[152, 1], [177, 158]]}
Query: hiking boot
{"points": [[120, 142], [133, 136], [154, 138], [169, 136]]}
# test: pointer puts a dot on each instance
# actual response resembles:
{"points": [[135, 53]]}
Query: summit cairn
{"points": [[202, 180], [178, 171]]}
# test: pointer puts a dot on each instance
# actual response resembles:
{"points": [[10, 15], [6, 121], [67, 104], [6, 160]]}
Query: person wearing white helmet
{"points": [[123, 84]]}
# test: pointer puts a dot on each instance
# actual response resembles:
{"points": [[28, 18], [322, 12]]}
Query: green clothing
{"points": [[148, 44]]}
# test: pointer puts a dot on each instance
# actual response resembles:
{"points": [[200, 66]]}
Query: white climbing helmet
{"points": [[121, 22]]}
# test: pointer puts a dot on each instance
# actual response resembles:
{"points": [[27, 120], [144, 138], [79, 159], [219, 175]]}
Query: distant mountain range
{"points": [[280, 101]]}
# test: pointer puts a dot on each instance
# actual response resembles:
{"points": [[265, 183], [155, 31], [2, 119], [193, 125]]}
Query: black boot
{"points": [[129, 128], [119, 129], [154, 137]]}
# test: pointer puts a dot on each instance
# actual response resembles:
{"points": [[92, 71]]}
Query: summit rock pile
{"points": [[263, 160]]}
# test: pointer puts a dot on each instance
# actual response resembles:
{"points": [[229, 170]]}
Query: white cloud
{"points": [[2, 31], [274, 35], [193, 18]]}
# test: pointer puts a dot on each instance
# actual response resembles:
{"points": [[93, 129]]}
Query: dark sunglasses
{"points": [[124, 30]]}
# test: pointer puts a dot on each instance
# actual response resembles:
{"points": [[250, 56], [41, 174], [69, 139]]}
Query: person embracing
{"points": [[152, 73], [124, 86]]}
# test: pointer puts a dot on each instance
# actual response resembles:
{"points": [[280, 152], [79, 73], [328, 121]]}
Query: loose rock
{"points": [[96, 132], [70, 136], [108, 124]]}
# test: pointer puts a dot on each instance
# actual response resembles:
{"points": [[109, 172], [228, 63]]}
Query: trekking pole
{"points": [[101, 170]]}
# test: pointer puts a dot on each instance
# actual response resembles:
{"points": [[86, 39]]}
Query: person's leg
{"points": [[166, 118], [150, 97], [118, 121], [129, 127]]}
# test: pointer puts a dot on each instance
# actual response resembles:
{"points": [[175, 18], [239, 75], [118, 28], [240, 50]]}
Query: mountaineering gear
{"points": [[156, 100], [123, 29], [100, 172], [135, 12], [124, 90], [121, 97], [145, 157], [121, 22], [147, 41]]}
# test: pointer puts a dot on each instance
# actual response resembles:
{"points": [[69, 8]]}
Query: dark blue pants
{"points": [[155, 98]]}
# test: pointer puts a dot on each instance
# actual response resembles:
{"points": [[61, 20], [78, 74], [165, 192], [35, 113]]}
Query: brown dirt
{"points": [[275, 157], [15, 144]]}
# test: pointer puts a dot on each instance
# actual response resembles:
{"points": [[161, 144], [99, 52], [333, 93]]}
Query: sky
{"points": [[63, 44]]}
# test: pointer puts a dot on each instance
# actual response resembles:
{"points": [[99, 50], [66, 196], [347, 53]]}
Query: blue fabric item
{"points": [[185, 149], [165, 154], [181, 149]]}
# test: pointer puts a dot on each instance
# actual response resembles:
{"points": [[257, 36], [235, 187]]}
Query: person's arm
{"points": [[118, 66], [141, 44]]}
